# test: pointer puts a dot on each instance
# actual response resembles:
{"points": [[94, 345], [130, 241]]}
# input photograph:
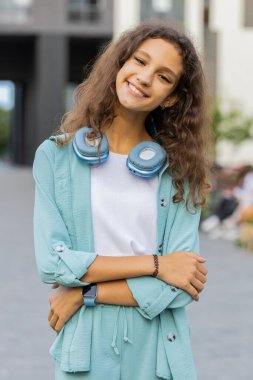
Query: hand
{"points": [[184, 270], [63, 304]]}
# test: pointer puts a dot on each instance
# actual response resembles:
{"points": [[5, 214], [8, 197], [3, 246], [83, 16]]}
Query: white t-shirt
{"points": [[124, 209]]}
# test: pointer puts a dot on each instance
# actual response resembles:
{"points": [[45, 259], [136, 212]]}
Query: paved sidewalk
{"points": [[24, 332], [222, 322]]}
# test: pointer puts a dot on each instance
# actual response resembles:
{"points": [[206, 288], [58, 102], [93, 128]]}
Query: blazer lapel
{"points": [[166, 212], [81, 202]]}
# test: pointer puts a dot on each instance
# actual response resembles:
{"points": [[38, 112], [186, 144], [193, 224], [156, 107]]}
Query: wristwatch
{"points": [[89, 293]]}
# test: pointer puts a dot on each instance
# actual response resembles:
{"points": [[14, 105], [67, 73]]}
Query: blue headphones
{"points": [[145, 160]]}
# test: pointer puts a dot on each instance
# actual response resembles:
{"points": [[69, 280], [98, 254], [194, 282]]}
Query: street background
{"points": [[222, 323], [46, 47]]}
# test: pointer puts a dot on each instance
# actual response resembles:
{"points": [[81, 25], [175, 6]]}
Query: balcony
{"points": [[18, 11], [80, 11]]}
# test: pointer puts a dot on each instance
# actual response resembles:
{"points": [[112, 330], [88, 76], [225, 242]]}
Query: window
{"points": [[85, 10], [15, 10], [162, 6], [172, 10]]}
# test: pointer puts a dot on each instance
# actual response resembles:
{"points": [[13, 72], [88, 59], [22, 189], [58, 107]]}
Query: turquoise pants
{"points": [[124, 348]]}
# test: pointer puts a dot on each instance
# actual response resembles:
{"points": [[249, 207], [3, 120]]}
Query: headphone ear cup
{"points": [[87, 149], [146, 159]]}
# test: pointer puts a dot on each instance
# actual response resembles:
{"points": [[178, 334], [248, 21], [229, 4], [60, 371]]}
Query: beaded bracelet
{"points": [[156, 263]]}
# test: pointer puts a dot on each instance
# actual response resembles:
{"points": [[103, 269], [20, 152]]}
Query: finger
{"points": [[59, 325], [201, 259], [197, 257], [201, 277], [198, 285], [192, 291], [50, 314], [53, 320], [202, 269]]}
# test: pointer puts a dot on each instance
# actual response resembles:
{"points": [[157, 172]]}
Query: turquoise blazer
{"points": [[62, 218]]}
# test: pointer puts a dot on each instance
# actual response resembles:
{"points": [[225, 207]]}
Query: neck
{"points": [[126, 131]]}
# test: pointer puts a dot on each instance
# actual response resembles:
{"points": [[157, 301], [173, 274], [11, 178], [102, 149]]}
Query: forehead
{"points": [[162, 53]]}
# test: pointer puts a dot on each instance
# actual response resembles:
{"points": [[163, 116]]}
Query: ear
{"points": [[169, 102]]}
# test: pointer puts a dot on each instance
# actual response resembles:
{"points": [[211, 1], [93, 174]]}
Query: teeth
{"points": [[135, 90]]}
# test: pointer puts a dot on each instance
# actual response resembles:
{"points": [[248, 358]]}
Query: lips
{"points": [[136, 91]]}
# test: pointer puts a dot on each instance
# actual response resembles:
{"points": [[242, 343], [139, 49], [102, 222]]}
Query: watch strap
{"points": [[89, 300]]}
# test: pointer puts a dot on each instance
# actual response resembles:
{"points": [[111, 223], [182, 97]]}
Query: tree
{"points": [[5, 120], [231, 125]]}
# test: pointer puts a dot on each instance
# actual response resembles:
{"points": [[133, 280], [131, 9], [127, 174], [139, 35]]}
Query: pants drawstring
{"points": [[115, 333], [126, 339], [115, 330]]}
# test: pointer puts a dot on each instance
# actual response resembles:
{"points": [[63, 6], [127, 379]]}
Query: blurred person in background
{"points": [[234, 206], [244, 195], [118, 198]]}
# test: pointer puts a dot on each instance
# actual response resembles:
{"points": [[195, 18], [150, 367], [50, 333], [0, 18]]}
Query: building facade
{"points": [[44, 46], [231, 22]]}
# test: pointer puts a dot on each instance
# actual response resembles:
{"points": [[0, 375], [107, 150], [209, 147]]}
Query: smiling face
{"points": [[149, 76]]}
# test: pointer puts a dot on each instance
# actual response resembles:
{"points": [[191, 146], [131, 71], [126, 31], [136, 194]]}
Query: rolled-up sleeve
{"points": [[153, 295], [56, 261]]}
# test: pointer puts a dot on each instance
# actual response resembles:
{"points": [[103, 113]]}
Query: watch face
{"points": [[89, 291]]}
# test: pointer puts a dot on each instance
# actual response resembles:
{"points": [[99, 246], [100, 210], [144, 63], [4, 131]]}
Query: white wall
{"points": [[194, 22], [126, 14], [234, 54], [234, 71], [225, 14]]}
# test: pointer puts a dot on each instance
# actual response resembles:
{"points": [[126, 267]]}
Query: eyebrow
{"points": [[163, 67]]}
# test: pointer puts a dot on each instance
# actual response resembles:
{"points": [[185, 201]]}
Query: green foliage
{"points": [[231, 125], [206, 211], [5, 120]]}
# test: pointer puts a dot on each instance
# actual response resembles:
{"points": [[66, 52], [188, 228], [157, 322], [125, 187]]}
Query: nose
{"points": [[145, 79]]}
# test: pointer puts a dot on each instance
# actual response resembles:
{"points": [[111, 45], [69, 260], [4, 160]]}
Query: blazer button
{"points": [[160, 248], [163, 202], [171, 337], [59, 248], [173, 289]]}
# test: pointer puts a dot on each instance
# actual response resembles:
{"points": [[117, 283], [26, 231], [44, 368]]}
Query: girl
{"points": [[120, 246]]}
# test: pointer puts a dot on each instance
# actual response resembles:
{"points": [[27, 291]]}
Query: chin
{"points": [[132, 107]]}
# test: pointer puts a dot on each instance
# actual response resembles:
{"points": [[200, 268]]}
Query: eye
{"points": [[164, 78], [139, 60]]}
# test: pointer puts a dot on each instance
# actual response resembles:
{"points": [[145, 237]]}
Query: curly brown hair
{"points": [[182, 128]]}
